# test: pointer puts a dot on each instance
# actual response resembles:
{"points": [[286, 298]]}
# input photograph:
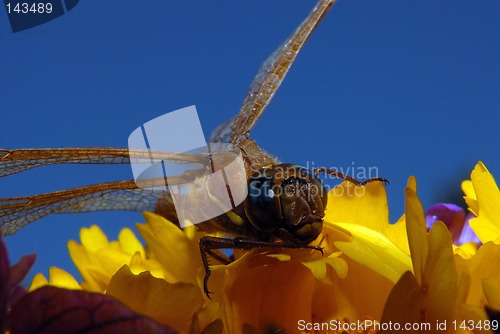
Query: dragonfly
{"points": [[291, 219]]}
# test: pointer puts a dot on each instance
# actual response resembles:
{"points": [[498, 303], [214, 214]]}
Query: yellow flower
{"points": [[176, 250], [58, 277], [433, 292], [483, 273], [98, 260], [483, 198], [370, 270], [262, 290], [445, 288], [165, 291], [483, 267], [376, 251], [362, 213]]}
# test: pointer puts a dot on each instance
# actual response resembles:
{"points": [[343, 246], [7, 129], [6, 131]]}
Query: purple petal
{"points": [[17, 293], [56, 310], [4, 283], [452, 215], [10, 277], [4, 264], [20, 270], [468, 234]]}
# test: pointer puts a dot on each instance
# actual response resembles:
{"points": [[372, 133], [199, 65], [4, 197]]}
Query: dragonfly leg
{"points": [[248, 160], [347, 177], [207, 244]]}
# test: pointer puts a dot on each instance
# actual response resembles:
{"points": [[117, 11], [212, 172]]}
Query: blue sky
{"points": [[412, 88]]}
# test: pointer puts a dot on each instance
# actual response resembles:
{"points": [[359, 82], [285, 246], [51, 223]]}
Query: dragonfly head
{"points": [[286, 201]]}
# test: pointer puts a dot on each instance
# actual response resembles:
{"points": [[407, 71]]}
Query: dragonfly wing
{"points": [[15, 161], [17, 212], [268, 79]]}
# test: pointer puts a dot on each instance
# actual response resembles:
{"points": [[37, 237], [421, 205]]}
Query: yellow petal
{"points": [[329, 235], [467, 250], [397, 234], [440, 276], [362, 293], [412, 183], [417, 232], [485, 229], [129, 243], [179, 255], [491, 288], [473, 314], [485, 264], [463, 288], [276, 294], [487, 224], [113, 245], [339, 265], [169, 304], [404, 304], [93, 238], [375, 251], [208, 314], [38, 281], [97, 259], [438, 296], [138, 265], [281, 257], [470, 197], [62, 279], [319, 267], [99, 276], [110, 260], [82, 260], [365, 205]]}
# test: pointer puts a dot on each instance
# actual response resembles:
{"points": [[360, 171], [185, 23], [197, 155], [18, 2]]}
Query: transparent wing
{"points": [[268, 79], [17, 212], [15, 161]]}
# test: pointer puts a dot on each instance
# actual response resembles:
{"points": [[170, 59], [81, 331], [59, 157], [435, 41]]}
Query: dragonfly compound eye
{"points": [[262, 205]]}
